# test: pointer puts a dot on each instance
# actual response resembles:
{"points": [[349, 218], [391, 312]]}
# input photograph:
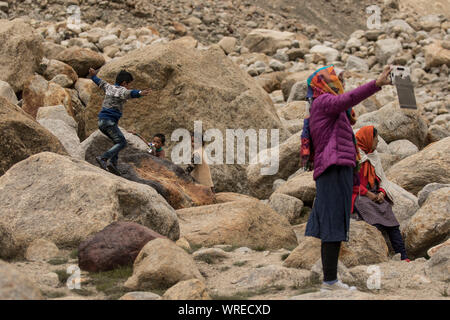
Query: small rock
{"points": [[212, 254], [140, 295], [41, 250], [192, 289]]}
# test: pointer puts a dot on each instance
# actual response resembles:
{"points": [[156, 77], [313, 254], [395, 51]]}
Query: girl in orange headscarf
{"points": [[373, 198]]}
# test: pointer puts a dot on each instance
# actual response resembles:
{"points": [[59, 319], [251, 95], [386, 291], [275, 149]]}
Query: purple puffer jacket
{"points": [[331, 131]]}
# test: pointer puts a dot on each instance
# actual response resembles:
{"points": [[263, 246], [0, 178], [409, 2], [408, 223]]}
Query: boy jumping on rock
{"points": [[108, 118]]}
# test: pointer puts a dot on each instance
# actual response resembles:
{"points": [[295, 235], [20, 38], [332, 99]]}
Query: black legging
{"points": [[330, 255]]}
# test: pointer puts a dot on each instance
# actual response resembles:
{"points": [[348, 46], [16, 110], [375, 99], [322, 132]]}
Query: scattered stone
{"points": [[14, 285], [155, 267], [140, 295], [193, 289], [41, 250]]}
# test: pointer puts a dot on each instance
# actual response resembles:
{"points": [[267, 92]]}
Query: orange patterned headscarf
{"points": [[364, 139]]}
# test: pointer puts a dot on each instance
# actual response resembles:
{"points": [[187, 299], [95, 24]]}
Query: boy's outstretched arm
{"points": [[137, 93], [99, 82]]}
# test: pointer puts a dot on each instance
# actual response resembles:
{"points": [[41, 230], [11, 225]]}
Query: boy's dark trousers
{"points": [[111, 129]]}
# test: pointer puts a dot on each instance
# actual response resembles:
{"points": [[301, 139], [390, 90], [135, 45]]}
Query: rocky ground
{"points": [[232, 64]]}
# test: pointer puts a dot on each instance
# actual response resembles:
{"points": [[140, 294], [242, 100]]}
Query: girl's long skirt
{"points": [[330, 216]]}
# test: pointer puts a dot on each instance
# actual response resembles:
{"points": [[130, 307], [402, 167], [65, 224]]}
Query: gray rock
{"points": [[276, 65], [287, 206], [356, 64], [140, 295], [387, 48], [298, 91], [398, 25], [277, 183], [329, 53], [403, 148], [66, 135], [7, 92], [425, 192], [430, 22], [438, 267], [14, 285], [212, 254]]}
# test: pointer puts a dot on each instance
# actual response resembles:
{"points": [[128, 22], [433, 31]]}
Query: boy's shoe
{"points": [[113, 169], [101, 162], [336, 286]]}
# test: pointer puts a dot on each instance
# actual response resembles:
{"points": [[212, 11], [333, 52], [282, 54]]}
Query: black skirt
{"points": [[330, 216]]}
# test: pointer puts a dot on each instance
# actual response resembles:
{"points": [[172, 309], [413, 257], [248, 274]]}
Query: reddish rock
{"points": [[170, 180], [116, 245], [135, 164]]}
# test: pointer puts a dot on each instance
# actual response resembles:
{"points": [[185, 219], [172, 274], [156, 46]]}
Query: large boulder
{"points": [[295, 110], [116, 245], [41, 250], [222, 197], [330, 54], [136, 164], [268, 41], [65, 134], [302, 186], [21, 52], [55, 67], [289, 207], [160, 265], [8, 246], [57, 113], [240, 223], [267, 278], [438, 266], [14, 285], [432, 164], [7, 92], [22, 136], [403, 148], [405, 204], [387, 48], [81, 59], [430, 225], [394, 124], [289, 81], [432, 251], [65, 200], [260, 184], [366, 246], [188, 85], [436, 55], [38, 93]]}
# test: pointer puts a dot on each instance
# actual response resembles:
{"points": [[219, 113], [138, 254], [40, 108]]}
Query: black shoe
{"points": [[101, 162], [113, 169]]}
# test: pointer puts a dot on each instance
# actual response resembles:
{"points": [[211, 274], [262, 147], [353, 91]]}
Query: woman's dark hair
{"points": [[124, 76], [161, 137], [375, 132]]}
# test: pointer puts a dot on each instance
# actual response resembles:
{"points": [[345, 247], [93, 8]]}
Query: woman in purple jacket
{"points": [[334, 157]]}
